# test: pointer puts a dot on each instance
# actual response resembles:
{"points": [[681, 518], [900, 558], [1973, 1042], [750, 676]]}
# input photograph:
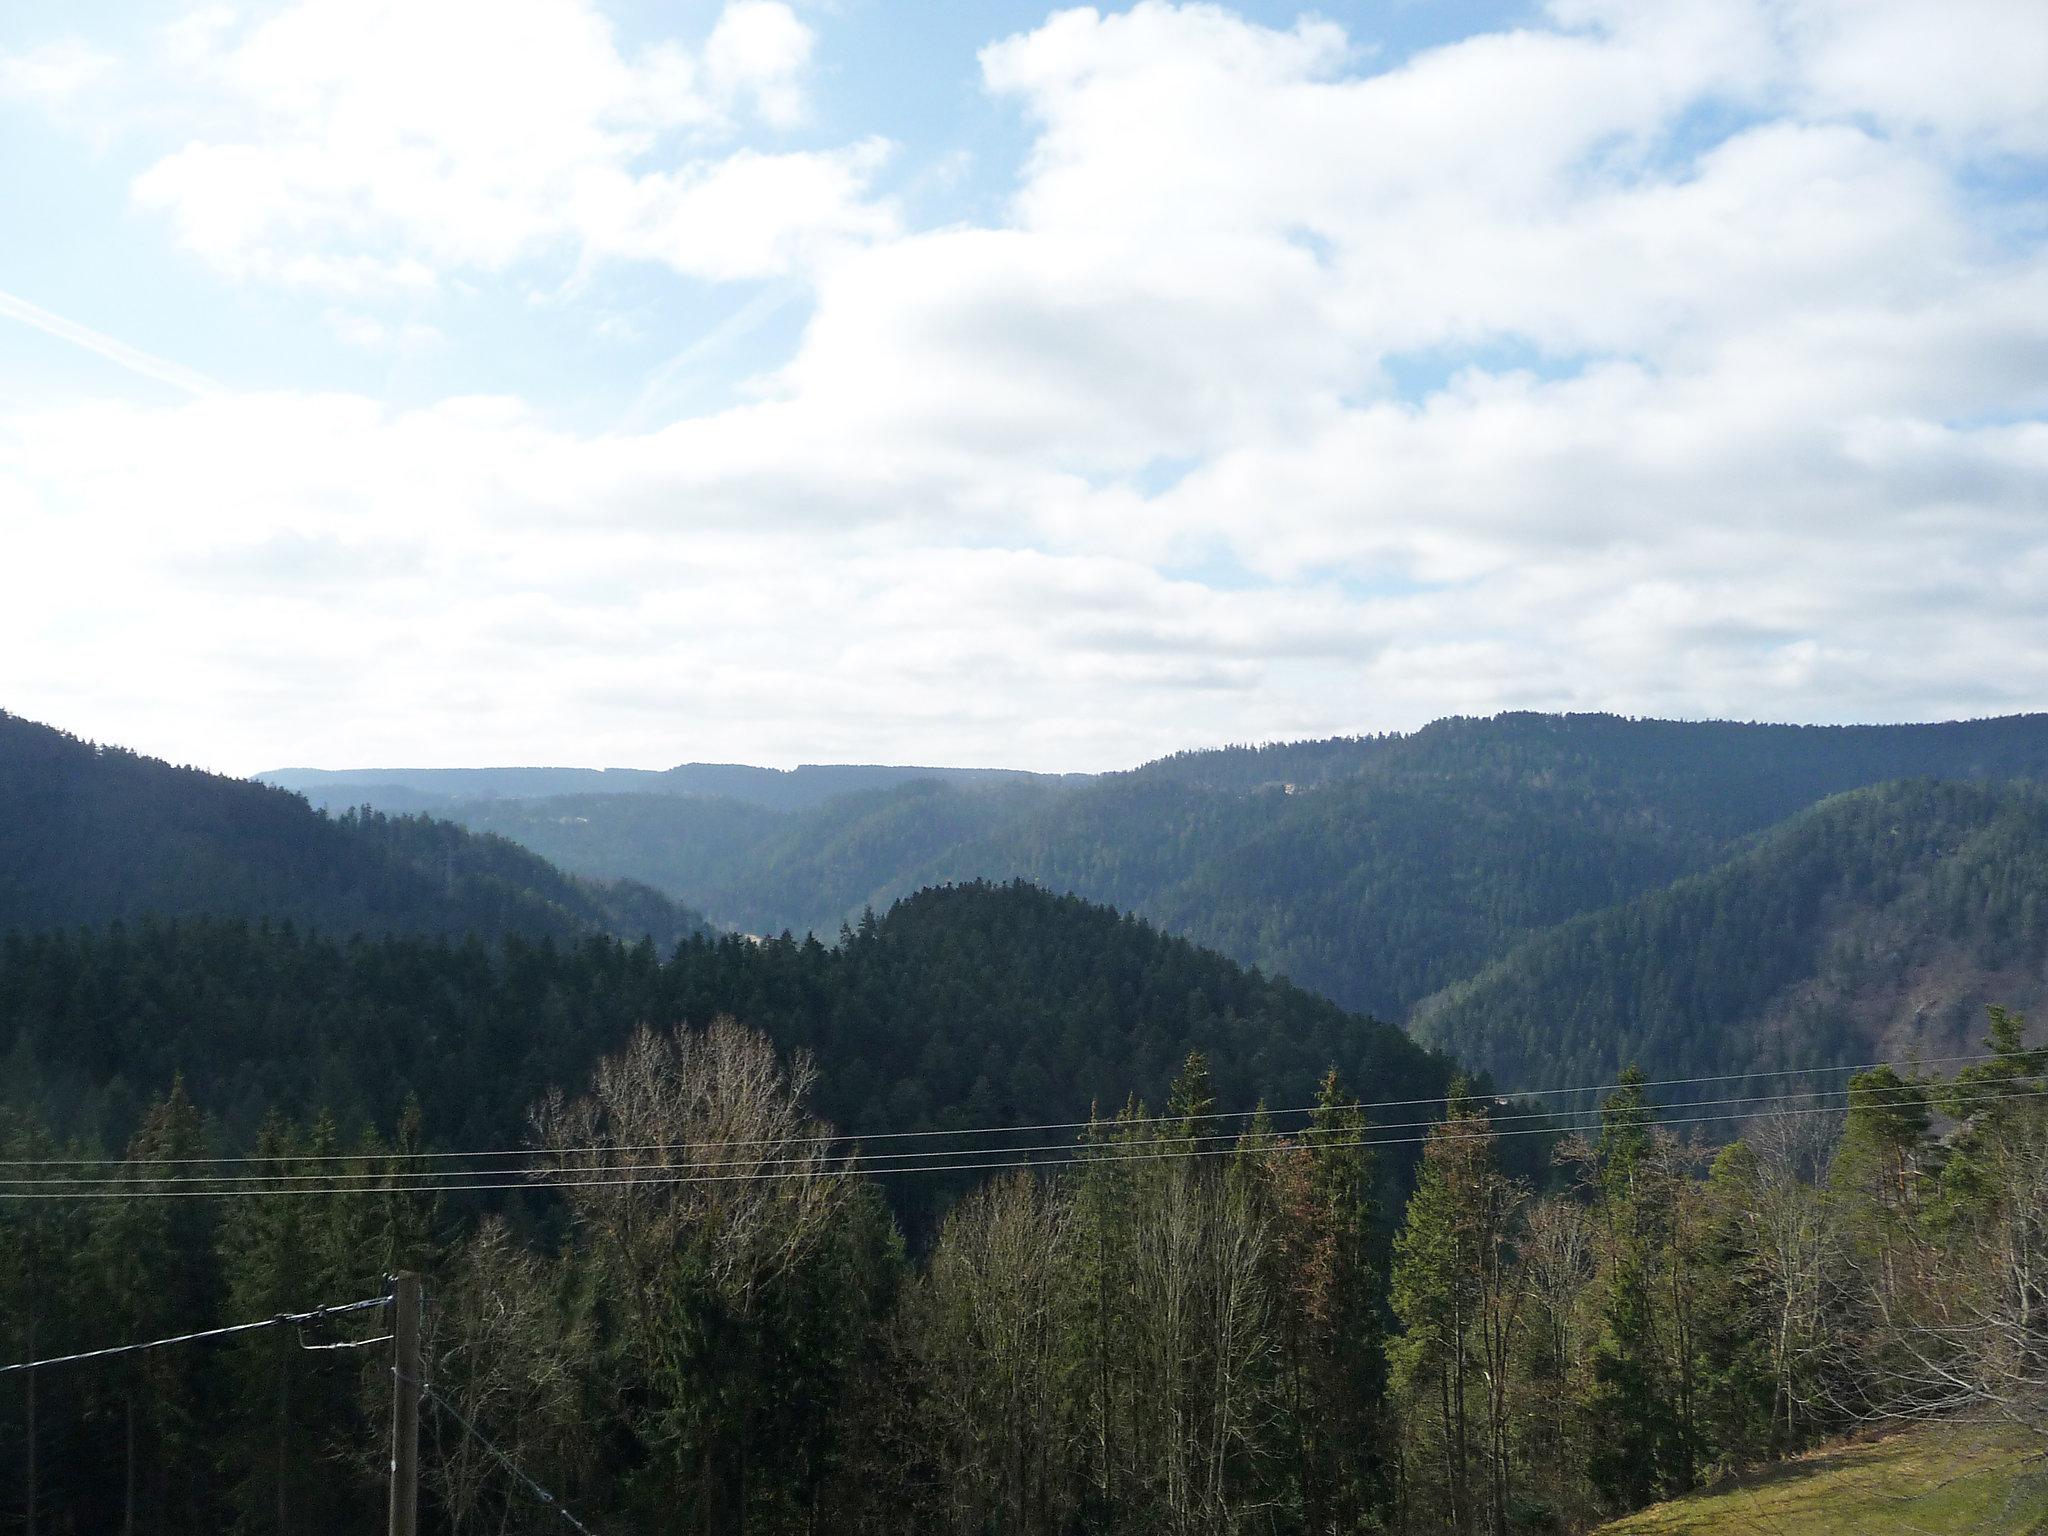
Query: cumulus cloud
{"points": [[1968, 72], [759, 51], [354, 146], [1656, 358], [321, 571]]}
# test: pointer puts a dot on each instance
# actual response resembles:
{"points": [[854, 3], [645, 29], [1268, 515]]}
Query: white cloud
{"points": [[55, 74], [759, 50], [1968, 71], [368, 333], [1730, 400], [354, 146], [325, 570], [748, 215]]}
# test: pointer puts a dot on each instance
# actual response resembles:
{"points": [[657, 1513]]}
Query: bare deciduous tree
{"points": [[506, 1357], [702, 1187], [991, 1328], [1558, 1257], [1797, 1254]]}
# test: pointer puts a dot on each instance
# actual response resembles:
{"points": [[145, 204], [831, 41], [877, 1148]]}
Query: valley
{"points": [[995, 1193], [1439, 879]]}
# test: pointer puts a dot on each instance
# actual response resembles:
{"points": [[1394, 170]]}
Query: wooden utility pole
{"points": [[31, 1376], [406, 1384], [128, 1493]]}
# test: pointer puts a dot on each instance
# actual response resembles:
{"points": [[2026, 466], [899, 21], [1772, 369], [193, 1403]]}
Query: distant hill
{"points": [[1376, 870], [1877, 923], [778, 789], [92, 834], [766, 871]]}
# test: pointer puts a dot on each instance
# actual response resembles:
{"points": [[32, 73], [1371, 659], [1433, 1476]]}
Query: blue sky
{"points": [[545, 380]]}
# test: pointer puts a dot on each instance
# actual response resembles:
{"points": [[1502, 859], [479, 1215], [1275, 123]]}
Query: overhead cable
{"points": [[442, 1405], [283, 1319], [834, 1138], [543, 1160], [1086, 1154]]}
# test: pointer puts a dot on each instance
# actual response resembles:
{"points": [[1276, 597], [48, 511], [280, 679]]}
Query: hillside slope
{"points": [[92, 834], [1879, 922], [1375, 870], [1928, 1481]]}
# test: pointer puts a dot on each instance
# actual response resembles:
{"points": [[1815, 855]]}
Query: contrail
{"points": [[134, 360], [747, 317]]}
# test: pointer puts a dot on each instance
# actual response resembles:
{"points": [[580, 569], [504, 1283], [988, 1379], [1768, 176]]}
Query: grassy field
{"points": [[1937, 1480]]}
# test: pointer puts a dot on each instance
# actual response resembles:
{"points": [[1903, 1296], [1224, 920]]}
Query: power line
{"points": [[442, 1405], [382, 1338], [1083, 1154], [834, 1138], [283, 1319], [546, 1160]]}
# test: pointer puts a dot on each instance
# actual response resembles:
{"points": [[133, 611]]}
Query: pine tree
{"points": [[41, 1277], [1733, 1345], [1637, 1438], [1345, 1476], [1880, 1180], [1458, 1299], [152, 1273], [290, 1406]]}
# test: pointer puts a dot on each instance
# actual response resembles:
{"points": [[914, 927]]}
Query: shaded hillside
{"points": [[1451, 845], [1880, 921], [1718, 779], [1374, 870], [91, 834], [1386, 887], [973, 1006]]}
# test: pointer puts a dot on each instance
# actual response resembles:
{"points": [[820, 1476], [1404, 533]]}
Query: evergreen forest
{"points": [[93, 834], [1398, 874], [996, 1209], [695, 1311]]}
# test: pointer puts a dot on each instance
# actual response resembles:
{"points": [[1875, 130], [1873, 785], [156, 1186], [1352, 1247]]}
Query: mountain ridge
{"points": [[787, 789], [1376, 870], [91, 834]]}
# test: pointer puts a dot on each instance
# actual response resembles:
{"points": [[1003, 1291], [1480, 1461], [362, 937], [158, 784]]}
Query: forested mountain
{"points": [[91, 834], [1375, 870], [1879, 922], [970, 1006], [624, 1177]]}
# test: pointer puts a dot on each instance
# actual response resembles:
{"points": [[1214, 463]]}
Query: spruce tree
{"points": [[1637, 1439]]}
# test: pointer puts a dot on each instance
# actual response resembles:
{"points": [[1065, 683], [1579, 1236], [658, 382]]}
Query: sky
{"points": [[442, 382]]}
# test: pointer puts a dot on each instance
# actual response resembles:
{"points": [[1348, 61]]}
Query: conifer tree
{"points": [[290, 1407], [1345, 1475], [152, 1273], [1637, 1440], [40, 1281], [1456, 1294], [1733, 1343]]}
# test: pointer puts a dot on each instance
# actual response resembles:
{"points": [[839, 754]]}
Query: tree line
{"points": [[698, 1315], [971, 1006]]}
